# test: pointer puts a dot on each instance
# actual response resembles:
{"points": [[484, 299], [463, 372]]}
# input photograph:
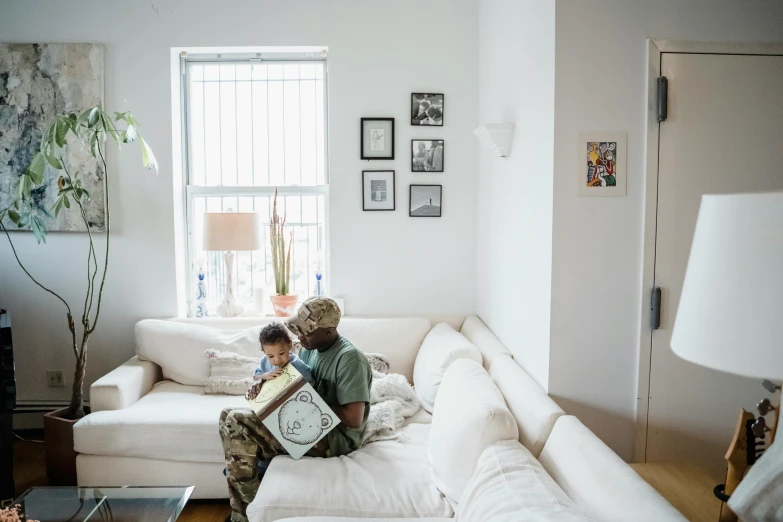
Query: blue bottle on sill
{"points": [[201, 295], [319, 284]]}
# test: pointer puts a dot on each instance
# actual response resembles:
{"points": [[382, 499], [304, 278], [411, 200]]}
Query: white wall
{"points": [[382, 263], [601, 62], [516, 85]]}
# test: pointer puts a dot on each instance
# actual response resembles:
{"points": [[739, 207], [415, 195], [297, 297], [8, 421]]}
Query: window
{"points": [[253, 125]]}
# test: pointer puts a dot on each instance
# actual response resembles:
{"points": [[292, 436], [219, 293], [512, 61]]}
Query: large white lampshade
{"points": [[230, 232], [730, 316]]}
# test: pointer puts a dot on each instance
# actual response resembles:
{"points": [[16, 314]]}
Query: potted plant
{"points": [[89, 131], [283, 303]]}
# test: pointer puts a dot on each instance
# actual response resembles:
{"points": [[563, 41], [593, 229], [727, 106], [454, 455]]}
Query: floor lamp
{"points": [[230, 232], [729, 319]]}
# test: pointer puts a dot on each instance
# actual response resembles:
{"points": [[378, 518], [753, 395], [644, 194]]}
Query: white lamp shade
{"points": [[731, 308], [232, 231]]}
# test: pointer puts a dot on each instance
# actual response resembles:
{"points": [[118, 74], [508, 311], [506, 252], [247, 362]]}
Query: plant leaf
{"points": [[25, 186], [53, 161], [147, 157], [38, 229], [24, 219], [13, 216], [36, 168], [66, 201], [60, 130], [58, 206], [93, 118]]}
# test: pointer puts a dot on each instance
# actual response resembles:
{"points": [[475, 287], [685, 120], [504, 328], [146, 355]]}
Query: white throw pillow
{"points": [[470, 414], [442, 346], [509, 484], [229, 373], [178, 348]]}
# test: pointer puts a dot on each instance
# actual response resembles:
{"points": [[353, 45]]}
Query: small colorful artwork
{"points": [[602, 164], [601, 161]]}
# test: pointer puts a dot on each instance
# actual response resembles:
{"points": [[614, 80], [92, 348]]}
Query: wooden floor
{"points": [[687, 488], [30, 470]]}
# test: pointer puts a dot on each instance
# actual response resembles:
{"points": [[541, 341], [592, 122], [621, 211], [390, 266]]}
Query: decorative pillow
{"points": [[442, 346], [379, 362], [510, 484], [229, 373], [470, 414], [178, 348]]}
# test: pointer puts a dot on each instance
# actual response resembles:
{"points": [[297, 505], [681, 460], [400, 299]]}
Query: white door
{"points": [[724, 134]]}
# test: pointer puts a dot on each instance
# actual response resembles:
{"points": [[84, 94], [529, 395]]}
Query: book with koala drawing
{"points": [[293, 412]]}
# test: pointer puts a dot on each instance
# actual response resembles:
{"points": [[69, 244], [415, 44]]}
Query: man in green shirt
{"points": [[342, 378]]}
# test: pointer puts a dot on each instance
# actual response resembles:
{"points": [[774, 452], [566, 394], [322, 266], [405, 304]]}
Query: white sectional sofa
{"points": [[147, 430]]}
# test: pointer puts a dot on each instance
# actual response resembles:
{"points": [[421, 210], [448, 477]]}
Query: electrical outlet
{"points": [[55, 378]]}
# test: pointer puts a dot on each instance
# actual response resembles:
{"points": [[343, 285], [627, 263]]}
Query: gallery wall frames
{"points": [[427, 109], [377, 138], [425, 201], [427, 155], [378, 190]]}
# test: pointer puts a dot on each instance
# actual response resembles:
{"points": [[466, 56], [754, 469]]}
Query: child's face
{"points": [[277, 353]]}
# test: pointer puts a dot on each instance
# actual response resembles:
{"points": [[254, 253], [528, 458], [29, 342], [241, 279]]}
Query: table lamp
{"points": [[230, 232], [729, 317]]}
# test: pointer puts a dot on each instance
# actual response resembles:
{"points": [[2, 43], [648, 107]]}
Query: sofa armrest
{"points": [[124, 385]]}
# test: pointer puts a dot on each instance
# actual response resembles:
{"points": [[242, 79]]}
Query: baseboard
{"points": [[28, 414]]}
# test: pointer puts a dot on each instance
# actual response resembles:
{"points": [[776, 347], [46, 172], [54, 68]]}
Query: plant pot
{"points": [[60, 455], [284, 305]]}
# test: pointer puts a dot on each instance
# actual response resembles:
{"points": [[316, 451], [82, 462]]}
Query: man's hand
{"points": [[351, 414], [271, 375], [254, 390]]}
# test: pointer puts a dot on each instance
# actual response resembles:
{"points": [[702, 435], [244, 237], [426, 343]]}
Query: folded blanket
{"points": [[392, 400]]}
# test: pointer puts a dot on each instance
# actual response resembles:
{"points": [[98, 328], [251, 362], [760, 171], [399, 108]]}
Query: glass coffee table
{"points": [[110, 504]]}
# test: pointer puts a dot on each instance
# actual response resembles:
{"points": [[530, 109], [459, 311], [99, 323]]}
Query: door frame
{"points": [[656, 48]]}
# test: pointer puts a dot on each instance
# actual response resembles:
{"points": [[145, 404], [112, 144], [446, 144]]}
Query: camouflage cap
{"points": [[315, 313]]}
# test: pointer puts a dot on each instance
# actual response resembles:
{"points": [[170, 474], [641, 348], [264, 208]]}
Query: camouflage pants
{"points": [[246, 440]]}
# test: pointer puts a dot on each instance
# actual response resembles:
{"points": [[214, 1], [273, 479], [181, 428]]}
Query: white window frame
{"points": [[307, 55]]}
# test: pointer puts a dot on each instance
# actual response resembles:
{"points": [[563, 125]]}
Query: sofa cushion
{"points": [[398, 339], [171, 422], [510, 484], [533, 409], [442, 346], [470, 414], [482, 337], [372, 519], [179, 348], [599, 481], [383, 479], [229, 373]]}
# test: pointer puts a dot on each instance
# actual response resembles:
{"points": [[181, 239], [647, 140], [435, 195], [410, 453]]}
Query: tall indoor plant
{"points": [[283, 303], [89, 130]]}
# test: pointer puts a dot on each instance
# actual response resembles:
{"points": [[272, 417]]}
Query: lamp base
{"points": [[230, 307]]}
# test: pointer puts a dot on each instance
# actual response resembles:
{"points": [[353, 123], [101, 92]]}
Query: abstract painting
{"points": [[37, 83], [602, 164]]}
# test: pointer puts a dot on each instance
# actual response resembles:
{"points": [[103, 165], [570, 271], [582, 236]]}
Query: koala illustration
{"points": [[301, 421]]}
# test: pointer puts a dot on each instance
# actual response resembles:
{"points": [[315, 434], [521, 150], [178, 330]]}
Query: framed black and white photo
{"points": [[377, 138], [427, 155], [378, 191], [426, 200], [427, 109]]}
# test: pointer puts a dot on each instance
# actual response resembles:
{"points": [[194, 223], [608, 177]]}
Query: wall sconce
{"points": [[496, 137]]}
